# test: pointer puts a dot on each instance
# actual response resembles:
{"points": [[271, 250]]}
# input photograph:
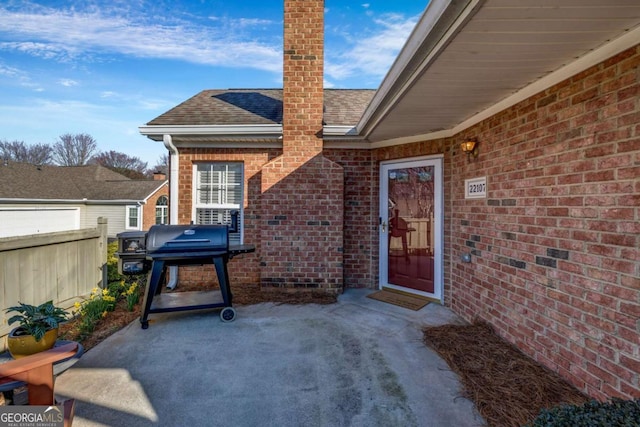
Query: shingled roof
{"points": [[342, 107], [93, 183]]}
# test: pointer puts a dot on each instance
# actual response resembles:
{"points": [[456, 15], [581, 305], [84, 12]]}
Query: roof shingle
{"points": [[260, 106]]}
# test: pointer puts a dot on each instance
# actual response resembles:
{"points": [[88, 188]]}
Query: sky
{"points": [[106, 67]]}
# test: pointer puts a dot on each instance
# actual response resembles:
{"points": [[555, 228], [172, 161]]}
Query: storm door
{"points": [[411, 223]]}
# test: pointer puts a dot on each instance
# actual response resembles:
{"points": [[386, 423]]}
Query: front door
{"points": [[411, 223]]}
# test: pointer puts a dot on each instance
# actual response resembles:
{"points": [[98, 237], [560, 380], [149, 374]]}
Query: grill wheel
{"points": [[228, 314]]}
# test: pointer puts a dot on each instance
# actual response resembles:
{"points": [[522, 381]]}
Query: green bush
{"points": [[615, 413]]}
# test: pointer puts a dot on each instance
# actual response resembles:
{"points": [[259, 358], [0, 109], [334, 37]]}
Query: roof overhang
{"points": [[244, 136], [178, 132], [467, 60]]}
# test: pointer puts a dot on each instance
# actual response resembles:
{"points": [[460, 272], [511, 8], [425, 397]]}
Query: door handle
{"points": [[384, 226]]}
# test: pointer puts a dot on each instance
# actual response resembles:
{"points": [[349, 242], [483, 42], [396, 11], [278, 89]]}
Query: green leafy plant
{"points": [[36, 320], [615, 413], [99, 304]]}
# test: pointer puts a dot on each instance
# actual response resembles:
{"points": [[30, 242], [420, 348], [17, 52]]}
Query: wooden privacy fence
{"points": [[63, 266]]}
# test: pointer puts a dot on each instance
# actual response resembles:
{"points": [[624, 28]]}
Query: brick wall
{"points": [[302, 227], [149, 209], [360, 216], [243, 271], [556, 258]]}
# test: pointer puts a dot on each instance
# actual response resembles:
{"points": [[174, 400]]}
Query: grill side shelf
{"points": [[240, 249]]}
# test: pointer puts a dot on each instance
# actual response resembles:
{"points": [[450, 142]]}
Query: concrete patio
{"points": [[359, 362]]}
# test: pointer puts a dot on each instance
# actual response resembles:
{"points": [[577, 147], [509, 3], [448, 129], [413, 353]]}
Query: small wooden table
{"points": [[58, 367]]}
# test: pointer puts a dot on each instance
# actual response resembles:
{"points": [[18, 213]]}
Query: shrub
{"points": [[615, 413]]}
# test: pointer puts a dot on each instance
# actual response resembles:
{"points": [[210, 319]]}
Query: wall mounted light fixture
{"points": [[470, 146]]}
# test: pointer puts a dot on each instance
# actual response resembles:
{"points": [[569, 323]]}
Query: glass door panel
{"points": [[408, 226]]}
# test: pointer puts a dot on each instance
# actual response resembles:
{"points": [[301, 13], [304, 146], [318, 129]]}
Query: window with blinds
{"points": [[217, 193], [132, 219]]}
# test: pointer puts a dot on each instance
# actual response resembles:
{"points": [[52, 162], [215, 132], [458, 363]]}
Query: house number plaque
{"points": [[475, 188]]}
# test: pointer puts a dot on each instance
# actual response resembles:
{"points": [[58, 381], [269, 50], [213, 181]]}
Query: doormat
{"points": [[402, 300]]}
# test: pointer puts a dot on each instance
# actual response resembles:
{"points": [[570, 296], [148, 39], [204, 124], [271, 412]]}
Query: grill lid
{"points": [[187, 238]]}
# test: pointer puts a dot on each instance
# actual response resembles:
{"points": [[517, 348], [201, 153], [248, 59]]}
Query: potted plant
{"points": [[37, 330]]}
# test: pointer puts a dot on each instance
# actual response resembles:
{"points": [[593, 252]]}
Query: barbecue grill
{"points": [[175, 245]]}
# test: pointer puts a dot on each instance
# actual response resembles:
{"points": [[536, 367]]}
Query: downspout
{"points": [[141, 215], [173, 204]]}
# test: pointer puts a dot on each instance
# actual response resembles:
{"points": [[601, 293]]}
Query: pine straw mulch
{"points": [[507, 387], [113, 322]]}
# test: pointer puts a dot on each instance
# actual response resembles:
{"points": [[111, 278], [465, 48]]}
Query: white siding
{"points": [[25, 220], [115, 215]]}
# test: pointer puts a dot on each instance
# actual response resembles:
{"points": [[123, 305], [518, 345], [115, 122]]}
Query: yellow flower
{"points": [[104, 313], [105, 292], [77, 304]]}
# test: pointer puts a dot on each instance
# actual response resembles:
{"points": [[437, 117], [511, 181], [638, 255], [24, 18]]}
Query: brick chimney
{"points": [[303, 78], [302, 191]]}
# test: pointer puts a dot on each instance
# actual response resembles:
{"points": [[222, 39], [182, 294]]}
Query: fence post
{"points": [[102, 249]]}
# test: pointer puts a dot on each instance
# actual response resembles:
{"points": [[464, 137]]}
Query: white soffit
{"points": [[493, 50]]}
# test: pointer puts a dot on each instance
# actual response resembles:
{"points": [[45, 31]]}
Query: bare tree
{"points": [[74, 150], [18, 151], [162, 164], [129, 166]]}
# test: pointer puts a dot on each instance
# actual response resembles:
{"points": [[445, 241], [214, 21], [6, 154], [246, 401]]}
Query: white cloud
{"points": [[250, 22], [70, 35], [8, 71], [20, 77], [68, 82], [373, 54], [41, 50]]}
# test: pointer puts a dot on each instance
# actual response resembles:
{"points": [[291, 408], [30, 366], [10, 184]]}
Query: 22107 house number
{"points": [[475, 188]]}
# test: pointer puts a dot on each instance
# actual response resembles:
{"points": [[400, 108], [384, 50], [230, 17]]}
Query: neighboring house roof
{"points": [[24, 181]]}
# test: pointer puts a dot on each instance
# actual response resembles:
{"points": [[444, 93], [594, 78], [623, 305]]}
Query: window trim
{"points": [[164, 208], [239, 208], [127, 217]]}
